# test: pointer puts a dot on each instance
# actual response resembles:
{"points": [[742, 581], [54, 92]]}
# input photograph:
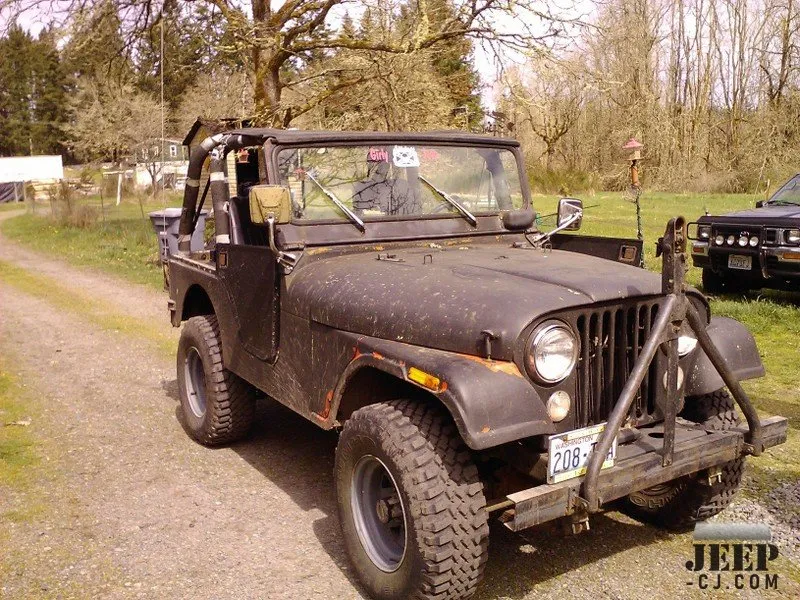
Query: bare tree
{"points": [[550, 95], [113, 119]]}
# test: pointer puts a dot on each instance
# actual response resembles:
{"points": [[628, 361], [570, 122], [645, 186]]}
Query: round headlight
{"points": [[754, 241], [793, 236], [704, 232], [686, 343], [730, 240], [719, 240], [552, 353], [743, 241], [679, 382]]}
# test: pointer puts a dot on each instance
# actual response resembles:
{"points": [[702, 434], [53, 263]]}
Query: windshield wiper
{"points": [[784, 203], [459, 207], [350, 214]]}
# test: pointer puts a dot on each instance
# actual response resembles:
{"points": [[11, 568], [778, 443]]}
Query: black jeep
{"points": [[394, 287], [752, 249]]}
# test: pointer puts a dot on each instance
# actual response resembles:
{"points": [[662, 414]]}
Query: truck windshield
{"points": [[388, 181], [788, 194]]}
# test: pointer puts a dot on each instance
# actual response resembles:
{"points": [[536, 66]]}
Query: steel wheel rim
{"points": [[379, 513], [195, 382]]}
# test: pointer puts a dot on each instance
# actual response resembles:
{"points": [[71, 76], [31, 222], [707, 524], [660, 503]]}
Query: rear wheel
{"points": [[410, 503], [217, 405], [681, 503]]}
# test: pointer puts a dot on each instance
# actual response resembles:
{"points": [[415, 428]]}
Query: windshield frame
{"points": [[273, 149]]}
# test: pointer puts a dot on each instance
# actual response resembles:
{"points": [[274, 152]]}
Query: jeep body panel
{"points": [[737, 346], [444, 298]]}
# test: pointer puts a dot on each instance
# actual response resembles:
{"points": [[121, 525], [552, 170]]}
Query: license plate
{"points": [[737, 261], [569, 453]]}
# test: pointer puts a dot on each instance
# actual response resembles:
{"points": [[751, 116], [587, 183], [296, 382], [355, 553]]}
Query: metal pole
{"points": [[163, 189]]}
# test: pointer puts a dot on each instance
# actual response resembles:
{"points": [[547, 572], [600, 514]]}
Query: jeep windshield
{"points": [[379, 182]]}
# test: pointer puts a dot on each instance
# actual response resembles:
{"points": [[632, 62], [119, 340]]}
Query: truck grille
{"points": [[611, 340]]}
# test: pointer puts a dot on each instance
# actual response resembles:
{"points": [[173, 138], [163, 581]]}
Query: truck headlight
{"points": [[792, 236], [704, 232], [552, 352]]}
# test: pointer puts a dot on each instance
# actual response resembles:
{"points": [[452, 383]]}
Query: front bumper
{"points": [[769, 262], [639, 466]]}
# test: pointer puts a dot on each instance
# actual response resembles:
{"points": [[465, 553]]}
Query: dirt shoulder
{"points": [[134, 509]]}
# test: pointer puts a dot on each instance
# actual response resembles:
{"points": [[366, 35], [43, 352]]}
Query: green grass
{"points": [[17, 448], [123, 243], [6, 206]]}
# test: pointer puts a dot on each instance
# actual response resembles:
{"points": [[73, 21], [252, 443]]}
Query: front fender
{"points": [[738, 348], [490, 401]]}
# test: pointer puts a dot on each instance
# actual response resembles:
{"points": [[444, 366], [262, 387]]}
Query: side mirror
{"points": [[760, 204], [266, 200], [570, 214], [518, 220]]}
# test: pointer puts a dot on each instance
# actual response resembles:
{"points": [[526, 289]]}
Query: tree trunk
{"points": [[551, 151], [267, 90]]}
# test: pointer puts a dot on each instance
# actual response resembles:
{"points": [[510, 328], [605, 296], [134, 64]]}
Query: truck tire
{"points": [[679, 504], [410, 502], [217, 405]]}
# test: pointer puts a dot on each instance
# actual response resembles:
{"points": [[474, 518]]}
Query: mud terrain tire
{"points": [[440, 534], [679, 504], [217, 405]]}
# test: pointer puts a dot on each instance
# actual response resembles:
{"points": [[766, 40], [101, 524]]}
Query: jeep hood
{"points": [[444, 299]]}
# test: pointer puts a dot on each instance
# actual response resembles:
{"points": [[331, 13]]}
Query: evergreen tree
{"points": [[50, 107], [190, 47], [451, 60], [16, 87]]}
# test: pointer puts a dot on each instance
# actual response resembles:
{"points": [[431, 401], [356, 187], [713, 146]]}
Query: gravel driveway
{"points": [[135, 509]]}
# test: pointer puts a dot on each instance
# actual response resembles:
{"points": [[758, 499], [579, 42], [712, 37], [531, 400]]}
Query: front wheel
{"points": [[411, 506], [681, 503]]}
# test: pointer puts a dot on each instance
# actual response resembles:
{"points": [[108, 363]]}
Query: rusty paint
{"points": [[378, 356], [496, 366], [486, 429], [326, 411], [315, 251]]}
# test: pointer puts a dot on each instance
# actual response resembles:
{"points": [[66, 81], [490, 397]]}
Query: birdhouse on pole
{"points": [[634, 148]]}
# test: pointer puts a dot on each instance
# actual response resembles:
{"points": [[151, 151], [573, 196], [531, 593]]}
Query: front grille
{"points": [[611, 339]]}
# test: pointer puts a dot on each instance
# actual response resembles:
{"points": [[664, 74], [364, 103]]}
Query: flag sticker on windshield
{"points": [[405, 156]]}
